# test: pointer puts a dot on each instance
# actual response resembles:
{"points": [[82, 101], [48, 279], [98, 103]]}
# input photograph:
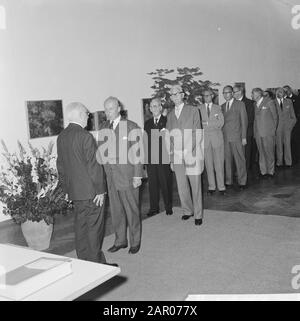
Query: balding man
{"points": [[124, 171], [286, 122], [82, 179], [159, 172], [235, 137], [186, 153], [265, 124]]}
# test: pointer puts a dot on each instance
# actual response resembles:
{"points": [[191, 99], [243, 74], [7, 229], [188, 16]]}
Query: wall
{"points": [[86, 50]]}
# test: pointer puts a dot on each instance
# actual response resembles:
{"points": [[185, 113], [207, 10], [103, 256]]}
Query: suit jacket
{"points": [[212, 125], [190, 118], [158, 137], [80, 175], [249, 104], [235, 121], [296, 103], [266, 118], [286, 116], [121, 168]]}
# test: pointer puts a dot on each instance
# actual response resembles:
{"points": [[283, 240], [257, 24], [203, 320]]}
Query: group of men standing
{"points": [[223, 138]]}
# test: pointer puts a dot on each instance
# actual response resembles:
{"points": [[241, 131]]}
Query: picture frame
{"points": [[146, 109], [45, 118]]}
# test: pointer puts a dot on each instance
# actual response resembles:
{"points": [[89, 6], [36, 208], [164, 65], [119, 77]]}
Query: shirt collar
{"points": [[74, 122], [158, 118], [116, 121], [240, 99], [259, 101]]}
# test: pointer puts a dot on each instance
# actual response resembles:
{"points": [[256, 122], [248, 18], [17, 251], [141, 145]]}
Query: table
{"points": [[86, 275]]}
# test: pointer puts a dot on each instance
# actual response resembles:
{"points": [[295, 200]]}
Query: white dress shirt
{"points": [[259, 102], [116, 122], [158, 118], [178, 110]]}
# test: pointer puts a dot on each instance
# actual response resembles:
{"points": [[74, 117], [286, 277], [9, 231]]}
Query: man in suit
{"points": [[184, 139], [250, 147], [124, 171], [235, 137], [265, 124], [295, 135], [82, 179], [213, 121], [286, 122], [159, 172]]}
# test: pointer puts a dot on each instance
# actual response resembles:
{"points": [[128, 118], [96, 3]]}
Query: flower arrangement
{"points": [[29, 185]]}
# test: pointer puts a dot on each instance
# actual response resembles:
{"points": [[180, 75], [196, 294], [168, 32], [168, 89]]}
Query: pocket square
{"points": [[264, 107], [124, 137]]}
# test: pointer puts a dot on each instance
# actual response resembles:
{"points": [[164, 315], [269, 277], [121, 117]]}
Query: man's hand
{"points": [[67, 197], [244, 141], [99, 199], [137, 181]]}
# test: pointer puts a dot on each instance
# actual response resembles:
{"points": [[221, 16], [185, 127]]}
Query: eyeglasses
{"points": [[180, 92], [207, 95], [227, 92], [237, 91]]}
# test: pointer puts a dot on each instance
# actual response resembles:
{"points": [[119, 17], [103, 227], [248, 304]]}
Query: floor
{"points": [[277, 196]]}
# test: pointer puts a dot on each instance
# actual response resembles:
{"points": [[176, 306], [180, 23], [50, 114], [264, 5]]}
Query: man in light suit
{"points": [[124, 171], [286, 123], [159, 172], [265, 124], [185, 145], [250, 147], [213, 121], [83, 180], [235, 137]]}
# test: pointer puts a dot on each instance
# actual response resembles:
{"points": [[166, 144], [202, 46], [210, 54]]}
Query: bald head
{"points": [[112, 108], [78, 113], [177, 94]]}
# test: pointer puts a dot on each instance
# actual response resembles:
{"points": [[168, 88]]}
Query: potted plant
{"points": [[30, 192]]}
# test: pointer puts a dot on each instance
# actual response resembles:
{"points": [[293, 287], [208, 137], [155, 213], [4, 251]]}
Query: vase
{"points": [[37, 234]]}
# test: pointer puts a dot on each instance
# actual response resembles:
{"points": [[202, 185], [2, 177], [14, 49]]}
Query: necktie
{"points": [[227, 106], [281, 105], [208, 110], [177, 112], [156, 121], [111, 125]]}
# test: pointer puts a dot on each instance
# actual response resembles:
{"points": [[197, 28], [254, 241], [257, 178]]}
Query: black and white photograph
{"points": [[149, 151]]}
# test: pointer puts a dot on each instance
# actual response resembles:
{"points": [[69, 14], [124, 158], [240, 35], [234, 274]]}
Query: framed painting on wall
{"points": [[146, 109], [45, 118]]}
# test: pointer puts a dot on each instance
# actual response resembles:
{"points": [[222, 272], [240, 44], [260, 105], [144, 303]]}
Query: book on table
{"points": [[33, 276]]}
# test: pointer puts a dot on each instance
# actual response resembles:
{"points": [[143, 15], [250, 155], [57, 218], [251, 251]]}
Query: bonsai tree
{"points": [[188, 78]]}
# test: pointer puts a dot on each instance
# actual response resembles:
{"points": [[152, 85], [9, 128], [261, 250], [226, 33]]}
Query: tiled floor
{"points": [[277, 196]]}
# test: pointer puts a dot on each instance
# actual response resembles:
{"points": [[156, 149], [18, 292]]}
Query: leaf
{"points": [[4, 146]]}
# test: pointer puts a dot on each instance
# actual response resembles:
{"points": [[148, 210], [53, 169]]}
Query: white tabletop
{"points": [[86, 275]]}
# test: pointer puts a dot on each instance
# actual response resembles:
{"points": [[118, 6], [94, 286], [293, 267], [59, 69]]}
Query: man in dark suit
{"points": [[250, 147], [184, 139], [82, 179], [159, 172], [235, 137], [295, 135], [124, 171]]}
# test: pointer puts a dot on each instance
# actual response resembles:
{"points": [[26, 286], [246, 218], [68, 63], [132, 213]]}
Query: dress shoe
{"points": [[186, 217], [211, 192], [116, 248], [242, 187], [270, 176], [169, 212], [112, 264], [152, 213], [223, 193], [134, 249], [228, 185], [198, 221]]}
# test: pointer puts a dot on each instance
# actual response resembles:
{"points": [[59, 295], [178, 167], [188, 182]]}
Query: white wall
{"points": [[86, 50]]}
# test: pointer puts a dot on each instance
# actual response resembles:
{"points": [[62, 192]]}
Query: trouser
{"points": [[283, 147], [190, 191], [234, 151], [89, 230], [295, 143], [214, 163], [250, 152], [124, 208], [160, 177], [266, 150]]}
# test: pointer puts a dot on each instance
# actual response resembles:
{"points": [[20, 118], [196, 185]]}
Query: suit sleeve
{"points": [[95, 170], [168, 141], [60, 168], [244, 120], [292, 115], [274, 113]]}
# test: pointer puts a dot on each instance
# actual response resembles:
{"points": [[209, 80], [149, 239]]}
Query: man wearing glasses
{"points": [[235, 137], [250, 147], [213, 121], [183, 141]]}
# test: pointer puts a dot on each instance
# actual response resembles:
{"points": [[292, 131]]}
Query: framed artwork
{"points": [[45, 118], [146, 109], [124, 113], [216, 96]]}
